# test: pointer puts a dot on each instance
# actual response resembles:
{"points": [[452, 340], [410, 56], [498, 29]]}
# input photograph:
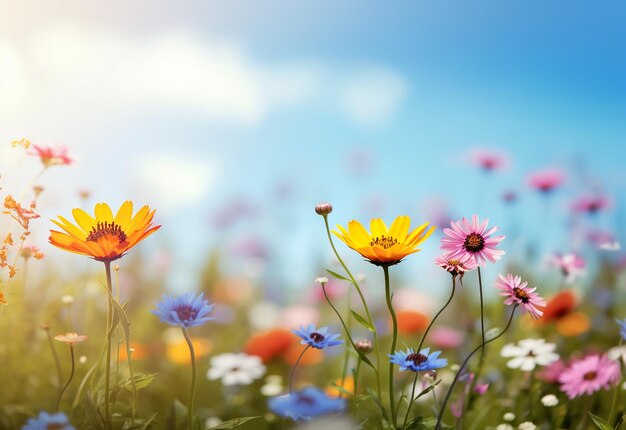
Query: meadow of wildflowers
{"points": [[522, 351]]}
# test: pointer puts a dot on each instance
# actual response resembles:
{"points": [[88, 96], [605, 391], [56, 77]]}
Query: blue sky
{"points": [[187, 105]]}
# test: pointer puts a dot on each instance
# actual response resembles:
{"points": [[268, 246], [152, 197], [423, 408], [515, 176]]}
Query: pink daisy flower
{"points": [[52, 155], [546, 180], [519, 293], [456, 266], [591, 204], [472, 239], [488, 160], [588, 375]]}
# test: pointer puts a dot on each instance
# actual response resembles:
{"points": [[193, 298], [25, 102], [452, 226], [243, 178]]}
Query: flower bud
{"points": [[364, 346], [323, 208]]}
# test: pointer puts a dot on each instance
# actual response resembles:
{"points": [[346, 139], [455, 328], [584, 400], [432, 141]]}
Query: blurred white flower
{"points": [[617, 353], [549, 400], [67, 299], [82, 359], [529, 353], [321, 280], [236, 369], [212, 422], [509, 416], [527, 425], [264, 316]]}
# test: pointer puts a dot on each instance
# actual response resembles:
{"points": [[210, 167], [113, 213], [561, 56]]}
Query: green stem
{"points": [[293, 369], [346, 356], [482, 312], [192, 392], [355, 394], [411, 400], [458, 373], [586, 410], [109, 334], [56, 408], [394, 339], [615, 393], [57, 362]]}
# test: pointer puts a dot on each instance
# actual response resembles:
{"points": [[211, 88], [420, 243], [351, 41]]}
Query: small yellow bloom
{"points": [[384, 246], [104, 237]]}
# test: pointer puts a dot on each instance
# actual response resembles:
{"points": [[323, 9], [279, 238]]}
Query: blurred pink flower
{"points": [[334, 290], [588, 375], [232, 212], [456, 266], [571, 265], [249, 247], [591, 204], [489, 160], [519, 293], [445, 337], [300, 315], [551, 372], [52, 155], [509, 197], [473, 240], [546, 180]]}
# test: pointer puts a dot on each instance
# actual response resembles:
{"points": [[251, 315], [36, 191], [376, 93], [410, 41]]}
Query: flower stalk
{"points": [[192, 391]]}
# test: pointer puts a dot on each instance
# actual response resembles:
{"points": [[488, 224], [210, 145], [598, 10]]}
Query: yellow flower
{"points": [[384, 246], [104, 237]]}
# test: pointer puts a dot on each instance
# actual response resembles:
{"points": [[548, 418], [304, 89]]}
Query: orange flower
{"points": [[104, 237], [138, 351], [384, 246], [560, 311], [270, 344], [178, 351], [3, 300], [310, 357], [348, 385], [411, 321]]}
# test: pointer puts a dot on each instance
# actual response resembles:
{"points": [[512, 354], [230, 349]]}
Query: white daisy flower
{"points": [[529, 353], [236, 369], [549, 400], [509, 416], [527, 425]]}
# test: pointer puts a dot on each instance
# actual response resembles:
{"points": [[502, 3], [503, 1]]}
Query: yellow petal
{"points": [[378, 227], [359, 235], [83, 219], [400, 227], [124, 214], [103, 213], [71, 228]]}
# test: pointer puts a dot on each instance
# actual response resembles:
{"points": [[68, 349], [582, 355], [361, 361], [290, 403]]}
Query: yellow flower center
{"points": [[383, 241], [103, 229], [474, 242]]}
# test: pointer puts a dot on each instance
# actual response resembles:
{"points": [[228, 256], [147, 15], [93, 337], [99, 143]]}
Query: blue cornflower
{"points": [[622, 328], [46, 421], [317, 337], [306, 404], [186, 310], [417, 362]]}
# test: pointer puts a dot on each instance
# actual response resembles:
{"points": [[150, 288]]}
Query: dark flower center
{"points": [[55, 426], [317, 337], [186, 313], [103, 229], [416, 358], [474, 242], [590, 376], [305, 399], [385, 242], [521, 294]]}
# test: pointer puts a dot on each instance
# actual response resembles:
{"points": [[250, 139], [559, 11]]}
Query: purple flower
{"points": [[186, 310]]}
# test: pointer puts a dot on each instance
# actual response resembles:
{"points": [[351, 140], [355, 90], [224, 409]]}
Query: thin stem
{"points": [[192, 392], [615, 393], [109, 334], [293, 369], [56, 408], [586, 410], [346, 357], [356, 388], [57, 362], [458, 373], [411, 400], [394, 339], [482, 311]]}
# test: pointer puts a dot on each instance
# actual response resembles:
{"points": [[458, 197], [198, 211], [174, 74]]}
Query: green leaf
{"points": [[231, 424], [141, 381], [341, 389], [601, 423], [365, 323], [139, 424], [338, 276]]}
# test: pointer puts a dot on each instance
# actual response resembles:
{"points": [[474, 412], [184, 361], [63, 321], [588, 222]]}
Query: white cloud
{"points": [[172, 180], [373, 96], [73, 71]]}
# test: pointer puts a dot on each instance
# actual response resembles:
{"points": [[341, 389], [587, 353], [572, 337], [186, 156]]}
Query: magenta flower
{"points": [[472, 240], [588, 375], [546, 180], [519, 293], [571, 265], [52, 155], [488, 160], [456, 266], [591, 204]]}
